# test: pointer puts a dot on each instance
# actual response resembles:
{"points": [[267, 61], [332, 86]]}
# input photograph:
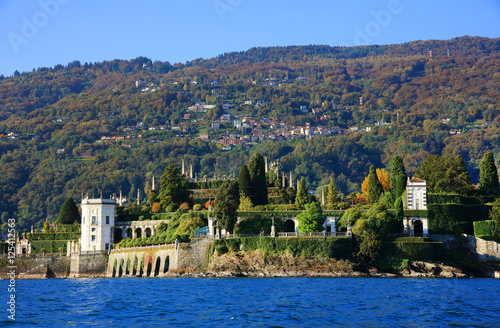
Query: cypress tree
{"points": [[375, 189], [69, 212], [245, 184], [258, 179], [488, 173], [226, 204], [332, 195], [301, 198], [397, 169], [399, 210], [174, 188]]}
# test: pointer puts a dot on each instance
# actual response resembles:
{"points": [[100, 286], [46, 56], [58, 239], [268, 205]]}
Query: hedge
{"points": [[326, 247], [487, 228], [50, 246], [67, 228], [455, 218], [437, 198], [416, 213], [54, 236], [414, 251]]}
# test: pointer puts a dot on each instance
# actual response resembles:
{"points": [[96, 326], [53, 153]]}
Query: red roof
{"points": [[416, 180]]}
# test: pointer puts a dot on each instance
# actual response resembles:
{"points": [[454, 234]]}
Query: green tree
{"points": [[369, 248], [301, 198], [244, 182], [153, 195], [398, 177], [332, 196], [312, 219], [399, 210], [174, 189], [445, 174], [488, 173], [375, 189], [257, 173], [226, 204], [69, 213], [495, 211]]}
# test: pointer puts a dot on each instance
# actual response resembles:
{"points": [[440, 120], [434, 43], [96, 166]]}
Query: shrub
{"points": [[197, 207], [487, 228]]}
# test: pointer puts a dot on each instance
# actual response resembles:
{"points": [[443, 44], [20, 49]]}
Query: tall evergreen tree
{"points": [[245, 184], [488, 173], [332, 196], [226, 205], [301, 198], [174, 188], [397, 170], [69, 212], [257, 173], [375, 189], [399, 210]]}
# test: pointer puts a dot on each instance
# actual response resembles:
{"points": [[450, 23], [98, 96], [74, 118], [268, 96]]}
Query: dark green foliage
{"points": [[445, 174], [488, 173], [256, 169], [153, 195], [414, 251], [332, 196], [312, 219], [495, 211], [369, 248], [256, 225], [54, 236], [399, 210], [301, 198], [454, 218], [173, 188], [245, 184], [226, 205], [398, 177], [49, 246], [327, 247], [416, 213], [487, 228], [375, 189], [69, 213]]}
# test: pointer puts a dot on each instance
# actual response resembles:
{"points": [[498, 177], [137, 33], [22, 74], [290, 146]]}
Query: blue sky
{"points": [[43, 33]]}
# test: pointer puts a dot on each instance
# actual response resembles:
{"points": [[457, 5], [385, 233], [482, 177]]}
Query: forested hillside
{"points": [[92, 127]]}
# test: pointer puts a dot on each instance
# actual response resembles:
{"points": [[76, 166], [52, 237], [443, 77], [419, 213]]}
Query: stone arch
{"points": [[147, 232], [418, 228], [114, 272], [138, 232], [141, 268], [157, 266], [117, 235], [129, 232], [149, 269], [166, 264], [289, 225]]}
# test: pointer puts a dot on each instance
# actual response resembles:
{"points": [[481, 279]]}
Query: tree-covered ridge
{"points": [[52, 120]]}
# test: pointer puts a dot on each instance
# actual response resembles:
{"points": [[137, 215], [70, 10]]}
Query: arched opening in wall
{"points": [[141, 270], [150, 267], [148, 232], [127, 264], [120, 269], [418, 228], [114, 272], [117, 235], [129, 232], [215, 228], [138, 233], [167, 264], [289, 226], [157, 266]]}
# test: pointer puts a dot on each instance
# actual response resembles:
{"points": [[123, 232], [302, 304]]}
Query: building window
{"points": [[106, 246], [107, 219], [93, 237], [94, 220]]}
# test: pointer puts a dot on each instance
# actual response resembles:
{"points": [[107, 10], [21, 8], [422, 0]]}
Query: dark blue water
{"points": [[255, 302]]}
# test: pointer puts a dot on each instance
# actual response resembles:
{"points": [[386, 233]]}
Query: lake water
{"points": [[255, 302]]}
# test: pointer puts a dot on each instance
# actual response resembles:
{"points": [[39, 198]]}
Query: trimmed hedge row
{"points": [[487, 228], [454, 218], [414, 251], [49, 246], [54, 236], [67, 228], [327, 247], [416, 213], [437, 198]]}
